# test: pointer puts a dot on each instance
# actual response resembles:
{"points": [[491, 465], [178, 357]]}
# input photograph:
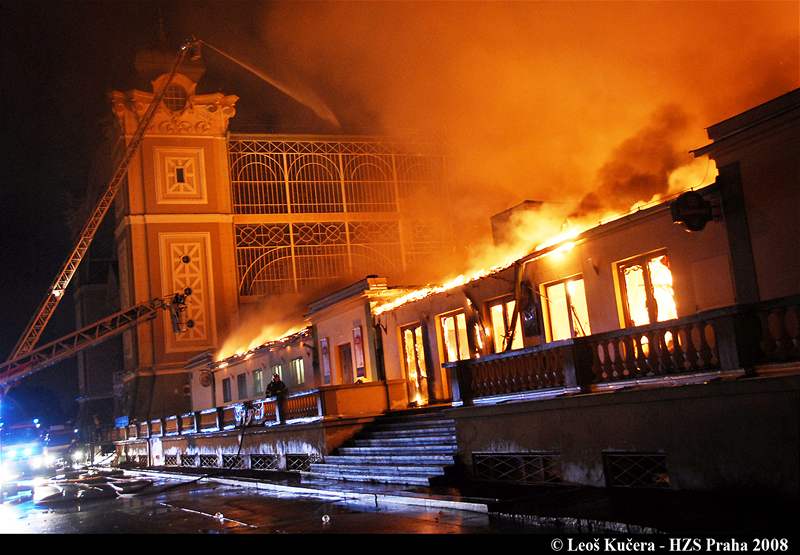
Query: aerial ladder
{"points": [[35, 328], [40, 358], [25, 358]]}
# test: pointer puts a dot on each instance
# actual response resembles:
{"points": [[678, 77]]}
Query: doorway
{"points": [[346, 362], [416, 365]]}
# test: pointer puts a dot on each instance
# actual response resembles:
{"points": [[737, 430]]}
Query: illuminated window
{"points": [[258, 381], [454, 337], [502, 313], [646, 290], [565, 306], [241, 386], [297, 366], [276, 369], [226, 390]]}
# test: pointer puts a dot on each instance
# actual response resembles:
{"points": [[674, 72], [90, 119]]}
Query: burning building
{"points": [[237, 218], [637, 351]]}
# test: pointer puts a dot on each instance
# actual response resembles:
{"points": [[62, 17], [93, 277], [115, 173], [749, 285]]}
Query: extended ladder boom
{"points": [[37, 324], [93, 334]]}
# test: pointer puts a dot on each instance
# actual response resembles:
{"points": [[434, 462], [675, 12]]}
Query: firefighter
{"points": [[277, 388]]}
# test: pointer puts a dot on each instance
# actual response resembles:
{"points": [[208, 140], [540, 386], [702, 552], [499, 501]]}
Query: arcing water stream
{"points": [[306, 98]]}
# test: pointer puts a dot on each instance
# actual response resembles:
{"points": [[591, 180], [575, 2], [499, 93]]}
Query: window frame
{"points": [[650, 299], [241, 386], [227, 390], [258, 379], [504, 300], [454, 314], [299, 377], [546, 308]]}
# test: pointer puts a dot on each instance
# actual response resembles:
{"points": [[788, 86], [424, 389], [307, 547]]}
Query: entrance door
{"points": [[416, 365], [346, 363]]}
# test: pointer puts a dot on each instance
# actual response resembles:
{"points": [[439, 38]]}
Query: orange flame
{"points": [[529, 225]]}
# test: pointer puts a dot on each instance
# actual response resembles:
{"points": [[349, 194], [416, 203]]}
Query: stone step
{"points": [[383, 479], [379, 469], [399, 450], [404, 441], [391, 459], [422, 432], [389, 424]]}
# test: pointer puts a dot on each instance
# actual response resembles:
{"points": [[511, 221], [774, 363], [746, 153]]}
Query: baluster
{"points": [[556, 362], [553, 367], [534, 371], [664, 353], [503, 372], [706, 355], [610, 356], [678, 344], [616, 348], [516, 371], [495, 379], [545, 369], [653, 353], [691, 350], [628, 356], [502, 381], [523, 380], [598, 365]]}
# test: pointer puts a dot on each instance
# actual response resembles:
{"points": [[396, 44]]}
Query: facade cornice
{"points": [[204, 115]]}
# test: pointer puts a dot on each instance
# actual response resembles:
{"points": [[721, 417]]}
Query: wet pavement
{"points": [[212, 508]]}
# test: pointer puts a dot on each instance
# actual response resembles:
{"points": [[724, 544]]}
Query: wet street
{"points": [[210, 508]]}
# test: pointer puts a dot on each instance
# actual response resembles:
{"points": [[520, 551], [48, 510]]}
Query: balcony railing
{"points": [[733, 338], [298, 407]]}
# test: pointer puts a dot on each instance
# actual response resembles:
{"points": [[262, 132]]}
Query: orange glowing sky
{"points": [[531, 98]]}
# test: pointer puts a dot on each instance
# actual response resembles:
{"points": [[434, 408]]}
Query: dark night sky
{"points": [[59, 62]]}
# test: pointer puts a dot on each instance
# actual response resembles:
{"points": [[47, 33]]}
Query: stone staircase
{"points": [[410, 448]]}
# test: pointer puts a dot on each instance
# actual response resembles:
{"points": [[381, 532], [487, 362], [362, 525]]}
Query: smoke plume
{"points": [[640, 167], [269, 320], [577, 104]]}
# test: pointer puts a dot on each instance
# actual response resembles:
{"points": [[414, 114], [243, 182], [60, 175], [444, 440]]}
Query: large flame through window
{"points": [[648, 291]]}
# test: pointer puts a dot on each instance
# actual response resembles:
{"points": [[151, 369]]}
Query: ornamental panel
{"points": [[180, 175], [186, 262]]}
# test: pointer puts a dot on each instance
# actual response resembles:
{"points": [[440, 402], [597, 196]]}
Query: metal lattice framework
{"points": [[265, 462], [329, 209], [300, 462], [232, 461], [188, 460], [282, 258], [636, 470], [295, 175], [523, 468], [170, 460], [209, 461]]}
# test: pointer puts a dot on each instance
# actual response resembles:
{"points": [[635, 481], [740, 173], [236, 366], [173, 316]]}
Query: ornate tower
{"points": [[174, 230]]}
